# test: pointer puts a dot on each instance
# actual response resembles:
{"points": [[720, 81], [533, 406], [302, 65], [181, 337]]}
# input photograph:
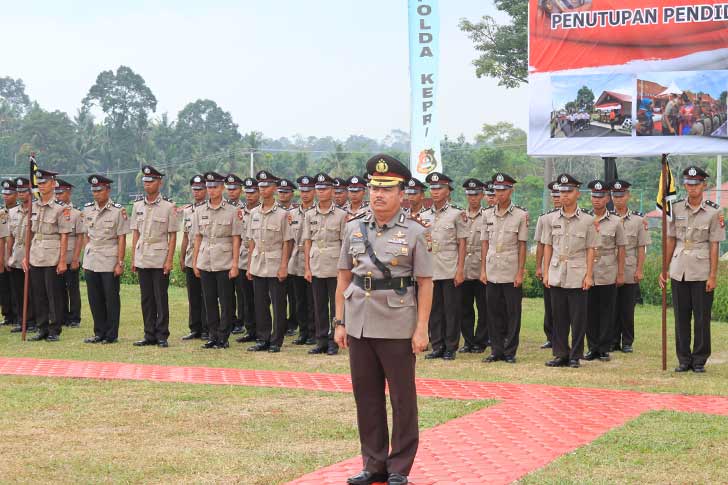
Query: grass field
{"points": [[64, 430]]}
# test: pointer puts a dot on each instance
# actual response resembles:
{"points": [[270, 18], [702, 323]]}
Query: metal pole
{"points": [[252, 162], [665, 189]]}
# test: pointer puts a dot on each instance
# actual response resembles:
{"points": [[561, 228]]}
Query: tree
{"points": [[13, 97], [504, 47], [126, 101], [723, 98], [501, 133], [50, 135], [585, 98]]}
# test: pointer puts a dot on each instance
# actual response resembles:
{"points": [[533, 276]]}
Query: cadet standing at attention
{"points": [[233, 189], [415, 193], [608, 274], [304, 312], [270, 238], [18, 224], [216, 227], [473, 290], [51, 223], [448, 232], [155, 226], [548, 314], [197, 319], [693, 238], [323, 230], [10, 198], [72, 292], [242, 283], [504, 234], [384, 323], [570, 241], [107, 225], [638, 238]]}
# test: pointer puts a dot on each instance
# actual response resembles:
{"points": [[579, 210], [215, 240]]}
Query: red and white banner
{"points": [[627, 77]]}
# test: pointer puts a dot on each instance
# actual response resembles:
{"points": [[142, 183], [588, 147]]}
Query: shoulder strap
{"points": [[370, 252]]}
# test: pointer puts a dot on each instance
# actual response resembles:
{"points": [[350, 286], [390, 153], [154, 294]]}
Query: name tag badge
{"points": [[681, 218], [397, 241]]}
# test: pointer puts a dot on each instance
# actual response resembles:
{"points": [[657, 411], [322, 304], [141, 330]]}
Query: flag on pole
{"points": [[33, 170], [671, 194]]}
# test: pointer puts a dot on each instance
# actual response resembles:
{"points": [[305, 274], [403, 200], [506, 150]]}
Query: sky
{"points": [[283, 67], [565, 88], [711, 82]]}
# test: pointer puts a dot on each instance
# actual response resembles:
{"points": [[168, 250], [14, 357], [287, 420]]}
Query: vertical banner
{"points": [[424, 48]]}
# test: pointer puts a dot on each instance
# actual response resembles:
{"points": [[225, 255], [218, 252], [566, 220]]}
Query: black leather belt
{"points": [[368, 283]]}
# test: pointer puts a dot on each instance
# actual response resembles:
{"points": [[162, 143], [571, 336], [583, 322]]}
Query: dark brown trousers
{"points": [[373, 362]]}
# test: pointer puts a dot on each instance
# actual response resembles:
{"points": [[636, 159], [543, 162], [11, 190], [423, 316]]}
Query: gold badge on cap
{"points": [[382, 166]]}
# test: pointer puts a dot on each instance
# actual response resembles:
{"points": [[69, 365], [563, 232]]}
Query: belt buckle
{"points": [[368, 283]]}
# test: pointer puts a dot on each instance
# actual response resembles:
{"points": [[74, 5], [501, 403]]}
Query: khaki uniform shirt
{"points": [[472, 251], [154, 221], [76, 234], [636, 235], [540, 222], [402, 246], [4, 223], [694, 230], [18, 223], [325, 230], [446, 227], [244, 244], [188, 212], [269, 229], [610, 235], [503, 231], [570, 237], [103, 226], [355, 213], [217, 227], [49, 221], [295, 263]]}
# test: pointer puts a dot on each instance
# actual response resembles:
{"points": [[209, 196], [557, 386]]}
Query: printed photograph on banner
{"points": [[559, 6], [682, 103], [591, 106]]}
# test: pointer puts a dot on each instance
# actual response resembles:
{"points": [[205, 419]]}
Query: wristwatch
{"points": [[338, 323]]}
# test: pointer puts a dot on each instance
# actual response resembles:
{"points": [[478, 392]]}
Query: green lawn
{"points": [[638, 371]]}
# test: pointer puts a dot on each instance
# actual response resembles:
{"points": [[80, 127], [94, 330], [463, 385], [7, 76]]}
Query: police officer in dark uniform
{"points": [[383, 323], [693, 239]]}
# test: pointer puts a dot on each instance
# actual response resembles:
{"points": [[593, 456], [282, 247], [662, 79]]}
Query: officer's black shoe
{"points": [[291, 332], [435, 354], [221, 345], [238, 329], [448, 355], [492, 358], [16, 329], [574, 363], [616, 347], [5, 322], [39, 337], [311, 341], [259, 347], [509, 359], [109, 341], [274, 349], [366, 478], [332, 351], [318, 350], [683, 368], [397, 479], [477, 349], [547, 345], [245, 338], [92, 340], [300, 341], [191, 336], [144, 343], [591, 355], [163, 343], [627, 349], [74, 324], [698, 368], [558, 362], [465, 349], [604, 357], [210, 344], [53, 338], [205, 336]]}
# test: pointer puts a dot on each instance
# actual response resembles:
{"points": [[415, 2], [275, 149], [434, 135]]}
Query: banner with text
{"points": [[627, 77], [424, 48]]}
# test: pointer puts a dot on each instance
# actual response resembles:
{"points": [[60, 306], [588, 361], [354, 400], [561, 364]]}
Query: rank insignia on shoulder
{"points": [[88, 204], [638, 213], [118, 206], [712, 204]]}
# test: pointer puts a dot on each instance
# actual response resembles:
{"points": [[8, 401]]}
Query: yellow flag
{"points": [[671, 194], [33, 170]]}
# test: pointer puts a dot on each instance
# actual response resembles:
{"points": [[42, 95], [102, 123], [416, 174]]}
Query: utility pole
{"points": [[718, 178], [252, 163]]}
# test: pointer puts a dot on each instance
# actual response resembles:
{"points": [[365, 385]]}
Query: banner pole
{"points": [[28, 233], [665, 189]]}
